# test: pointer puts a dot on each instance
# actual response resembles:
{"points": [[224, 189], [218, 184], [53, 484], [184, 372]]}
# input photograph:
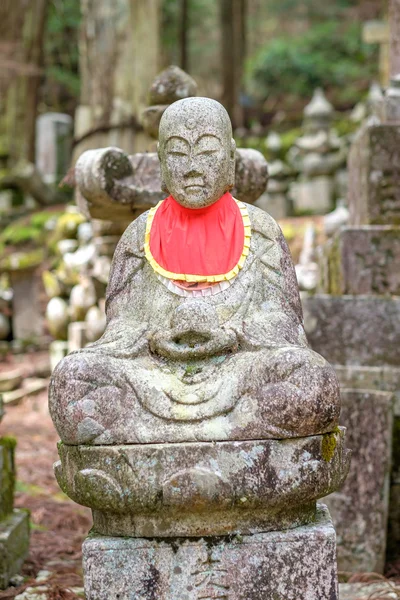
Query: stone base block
{"points": [[14, 544], [354, 330], [365, 260], [360, 508], [297, 564]]}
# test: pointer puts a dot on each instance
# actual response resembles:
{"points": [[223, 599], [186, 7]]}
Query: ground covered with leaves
{"points": [[58, 525]]}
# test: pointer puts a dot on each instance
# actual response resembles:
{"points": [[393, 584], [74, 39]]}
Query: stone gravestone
{"points": [[54, 132], [14, 523], [355, 324], [201, 429]]}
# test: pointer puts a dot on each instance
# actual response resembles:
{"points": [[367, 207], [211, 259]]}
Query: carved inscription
{"points": [[210, 580]]}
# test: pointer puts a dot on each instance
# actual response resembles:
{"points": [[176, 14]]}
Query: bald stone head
{"points": [[197, 152]]}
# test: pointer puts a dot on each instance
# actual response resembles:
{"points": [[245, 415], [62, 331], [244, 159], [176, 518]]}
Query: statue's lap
{"points": [[282, 392]]}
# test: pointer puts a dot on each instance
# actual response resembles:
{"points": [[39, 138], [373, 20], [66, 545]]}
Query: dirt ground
{"points": [[58, 525]]}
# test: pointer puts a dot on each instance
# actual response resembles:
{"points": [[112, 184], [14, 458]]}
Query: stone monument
{"points": [[14, 523], [201, 429], [354, 322], [318, 156]]}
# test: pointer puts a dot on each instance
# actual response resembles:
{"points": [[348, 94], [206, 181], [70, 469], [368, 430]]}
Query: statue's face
{"points": [[197, 152]]}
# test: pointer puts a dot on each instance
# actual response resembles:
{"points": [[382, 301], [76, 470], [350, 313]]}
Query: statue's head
{"points": [[197, 152]]}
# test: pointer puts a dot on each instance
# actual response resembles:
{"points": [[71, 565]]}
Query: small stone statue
{"points": [[184, 355], [203, 356]]}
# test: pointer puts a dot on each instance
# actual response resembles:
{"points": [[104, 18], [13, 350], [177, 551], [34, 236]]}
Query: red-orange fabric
{"points": [[204, 241]]}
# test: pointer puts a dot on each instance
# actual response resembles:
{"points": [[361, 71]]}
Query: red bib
{"points": [[200, 242]]}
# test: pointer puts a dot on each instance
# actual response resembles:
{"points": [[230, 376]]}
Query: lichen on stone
{"points": [[328, 444]]}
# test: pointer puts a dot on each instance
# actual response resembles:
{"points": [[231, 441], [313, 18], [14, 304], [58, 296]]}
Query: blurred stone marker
{"points": [[377, 32], [54, 133], [318, 156], [355, 323], [27, 318], [14, 523], [182, 421], [360, 508]]}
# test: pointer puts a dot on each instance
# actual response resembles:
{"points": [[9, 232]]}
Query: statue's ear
{"points": [[163, 184], [232, 164]]}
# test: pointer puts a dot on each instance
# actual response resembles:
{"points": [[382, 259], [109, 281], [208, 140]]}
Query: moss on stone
{"points": [[7, 446], [328, 445], [67, 225], [18, 261]]}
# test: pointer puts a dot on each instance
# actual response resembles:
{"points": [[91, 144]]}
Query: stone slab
{"points": [[385, 379], [374, 171], [197, 489], [7, 475], [360, 508], [27, 317], [287, 565], [365, 260], [14, 544], [354, 330], [10, 380]]}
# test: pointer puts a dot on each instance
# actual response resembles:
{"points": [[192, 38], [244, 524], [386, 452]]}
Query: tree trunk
{"points": [[233, 29], [119, 53], [22, 24], [184, 35], [394, 20]]}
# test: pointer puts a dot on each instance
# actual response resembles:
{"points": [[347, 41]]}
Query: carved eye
{"points": [[177, 153], [207, 152]]}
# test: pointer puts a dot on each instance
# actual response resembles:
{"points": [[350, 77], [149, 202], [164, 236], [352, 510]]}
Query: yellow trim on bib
{"points": [[199, 278]]}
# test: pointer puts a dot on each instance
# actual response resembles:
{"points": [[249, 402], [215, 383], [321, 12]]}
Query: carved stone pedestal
{"points": [[297, 564]]}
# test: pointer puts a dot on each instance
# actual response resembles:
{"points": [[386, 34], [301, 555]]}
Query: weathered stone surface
{"points": [[292, 565], [251, 175], [203, 489], [360, 509], [7, 476], [384, 379], [14, 544], [365, 260], [354, 330], [171, 85], [374, 163]]}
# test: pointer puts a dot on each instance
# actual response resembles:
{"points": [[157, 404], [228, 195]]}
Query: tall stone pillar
{"points": [[354, 322]]}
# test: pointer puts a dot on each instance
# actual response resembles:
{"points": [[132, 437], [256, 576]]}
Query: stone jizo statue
{"points": [[202, 411], [216, 354]]}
